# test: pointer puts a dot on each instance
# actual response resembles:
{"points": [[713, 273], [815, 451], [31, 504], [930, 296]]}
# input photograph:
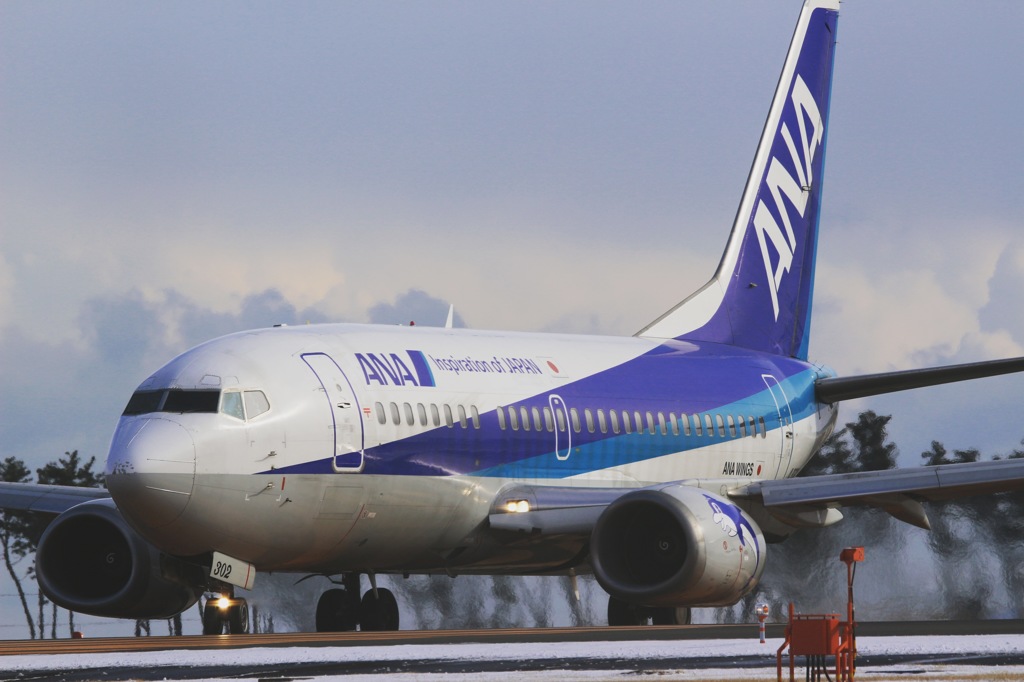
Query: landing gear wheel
{"points": [[670, 615], [213, 624], [238, 618], [378, 613], [335, 613], [622, 613]]}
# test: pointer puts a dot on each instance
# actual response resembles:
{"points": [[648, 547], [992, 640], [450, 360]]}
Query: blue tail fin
{"points": [[760, 297]]}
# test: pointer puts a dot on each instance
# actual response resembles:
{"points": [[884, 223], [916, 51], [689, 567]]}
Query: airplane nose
{"points": [[151, 470]]}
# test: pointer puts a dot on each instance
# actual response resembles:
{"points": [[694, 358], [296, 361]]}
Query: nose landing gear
{"points": [[225, 612]]}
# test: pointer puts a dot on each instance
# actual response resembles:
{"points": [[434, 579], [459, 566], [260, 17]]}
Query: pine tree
{"points": [[67, 470]]}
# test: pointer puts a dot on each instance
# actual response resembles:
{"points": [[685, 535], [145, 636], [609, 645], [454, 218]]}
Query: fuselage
{"points": [[366, 448]]}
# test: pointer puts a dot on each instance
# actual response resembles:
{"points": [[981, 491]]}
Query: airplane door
{"points": [[785, 423], [345, 416], [563, 430]]}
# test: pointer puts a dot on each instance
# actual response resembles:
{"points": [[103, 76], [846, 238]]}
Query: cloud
{"points": [[863, 328], [414, 306], [6, 289], [169, 173], [964, 311], [1003, 310], [63, 395]]}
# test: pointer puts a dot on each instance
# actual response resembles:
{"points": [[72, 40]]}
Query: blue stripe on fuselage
{"points": [[614, 450], [678, 378]]}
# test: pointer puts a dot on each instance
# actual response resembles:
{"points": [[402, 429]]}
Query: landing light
{"points": [[223, 603], [517, 506]]}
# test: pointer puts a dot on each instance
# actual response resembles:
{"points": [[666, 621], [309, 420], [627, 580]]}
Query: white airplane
{"points": [[661, 463]]}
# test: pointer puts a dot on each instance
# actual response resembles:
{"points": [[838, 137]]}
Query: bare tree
{"points": [[14, 535]]}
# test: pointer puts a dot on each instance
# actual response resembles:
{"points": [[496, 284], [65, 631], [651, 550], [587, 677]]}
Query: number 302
{"points": [[222, 570]]}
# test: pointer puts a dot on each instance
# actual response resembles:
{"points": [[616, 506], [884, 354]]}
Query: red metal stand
{"points": [[820, 636]]}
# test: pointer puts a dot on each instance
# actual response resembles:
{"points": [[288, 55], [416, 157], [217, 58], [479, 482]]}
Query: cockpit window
{"points": [[143, 402], [172, 400], [237, 404], [182, 401], [244, 405], [231, 405], [256, 403]]}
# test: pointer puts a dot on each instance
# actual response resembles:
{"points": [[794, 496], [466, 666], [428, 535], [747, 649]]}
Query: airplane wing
{"points": [[45, 499], [897, 491], [556, 510]]}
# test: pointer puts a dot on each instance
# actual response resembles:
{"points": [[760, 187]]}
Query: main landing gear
{"points": [[341, 609], [623, 613], [224, 612]]}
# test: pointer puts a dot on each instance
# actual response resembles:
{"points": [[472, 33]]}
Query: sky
{"points": [[170, 172]]}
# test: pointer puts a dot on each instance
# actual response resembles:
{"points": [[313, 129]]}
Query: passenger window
{"points": [[674, 423], [513, 418], [639, 422], [408, 414], [501, 417], [762, 428], [435, 416], [448, 421], [615, 420], [742, 424], [422, 411], [536, 419], [560, 418], [686, 424], [721, 425], [650, 423], [589, 417], [525, 418], [549, 421], [575, 416], [382, 417], [602, 423], [732, 425], [395, 417], [626, 423], [462, 416], [474, 415], [708, 426], [231, 405], [256, 403]]}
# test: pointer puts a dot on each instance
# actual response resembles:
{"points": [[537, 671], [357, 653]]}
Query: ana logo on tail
{"points": [[778, 181]]}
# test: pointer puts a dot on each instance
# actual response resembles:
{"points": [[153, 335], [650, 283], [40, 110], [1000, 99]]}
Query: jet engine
{"points": [[676, 545], [90, 560]]}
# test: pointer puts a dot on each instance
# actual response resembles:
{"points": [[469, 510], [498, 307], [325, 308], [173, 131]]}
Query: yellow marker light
{"points": [[223, 603]]}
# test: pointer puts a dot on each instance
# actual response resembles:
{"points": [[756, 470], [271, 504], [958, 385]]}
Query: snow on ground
{"points": [[635, 651]]}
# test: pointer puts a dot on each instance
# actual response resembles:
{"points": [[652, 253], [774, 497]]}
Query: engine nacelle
{"points": [[90, 560], [676, 545]]}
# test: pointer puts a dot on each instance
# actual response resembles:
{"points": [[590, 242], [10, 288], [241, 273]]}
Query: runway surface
{"points": [[920, 650]]}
